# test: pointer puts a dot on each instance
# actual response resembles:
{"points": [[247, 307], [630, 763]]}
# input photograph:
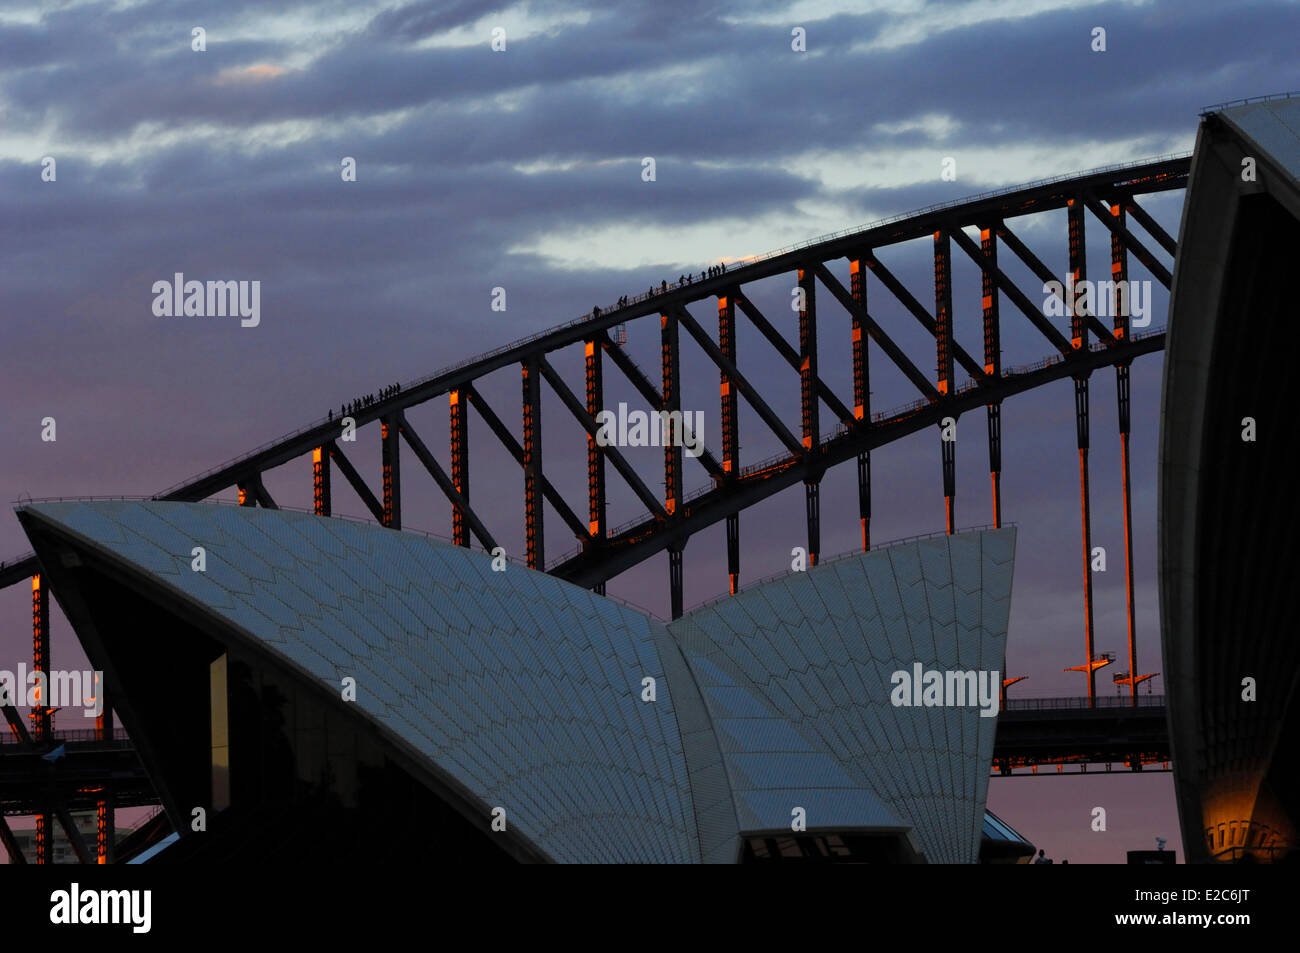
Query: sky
{"points": [[521, 168]]}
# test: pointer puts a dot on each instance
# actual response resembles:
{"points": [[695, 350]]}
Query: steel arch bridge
{"points": [[832, 428]]}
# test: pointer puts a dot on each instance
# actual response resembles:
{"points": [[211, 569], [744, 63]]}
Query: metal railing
{"points": [[781, 458], [966, 200], [1246, 102], [632, 301], [85, 736], [17, 559], [1074, 702]]}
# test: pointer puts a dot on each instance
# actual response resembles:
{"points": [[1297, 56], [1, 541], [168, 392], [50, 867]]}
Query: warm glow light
{"points": [[248, 74]]}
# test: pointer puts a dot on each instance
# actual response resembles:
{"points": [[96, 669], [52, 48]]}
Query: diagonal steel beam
{"points": [[1128, 239], [789, 354], [16, 724], [635, 376], [359, 485], [263, 497], [11, 846], [19, 570], [639, 542], [1153, 228], [1044, 274], [647, 390], [892, 350], [899, 291], [444, 482], [512, 445], [751, 395], [60, 811], [612, 453], [70, 828], [1009, 287]]}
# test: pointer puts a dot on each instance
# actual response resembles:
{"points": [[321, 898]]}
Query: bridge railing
{"points": [[79, 736], [1246, 102], [743, 262], [17, 559], [1101, 701], [777, 459]]}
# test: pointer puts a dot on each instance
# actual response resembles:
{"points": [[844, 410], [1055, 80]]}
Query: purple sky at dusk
{"points": [[522, 169]]}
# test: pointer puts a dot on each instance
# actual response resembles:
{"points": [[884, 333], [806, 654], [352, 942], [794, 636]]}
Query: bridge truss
{"points": [[832, 428]]}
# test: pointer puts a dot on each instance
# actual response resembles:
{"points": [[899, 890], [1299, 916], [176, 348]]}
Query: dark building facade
{"points": [[1228, 523]]}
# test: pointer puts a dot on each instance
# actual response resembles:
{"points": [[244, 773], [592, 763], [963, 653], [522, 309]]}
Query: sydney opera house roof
{"points": [[550, 723], [1227, 514]]}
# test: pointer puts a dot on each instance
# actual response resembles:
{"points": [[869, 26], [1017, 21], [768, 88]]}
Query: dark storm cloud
{"points": [[591, 92], [415, 21]]}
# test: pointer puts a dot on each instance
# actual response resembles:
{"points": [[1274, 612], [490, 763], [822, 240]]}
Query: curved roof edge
{"points": [[1216, 372], [491, 677]]}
